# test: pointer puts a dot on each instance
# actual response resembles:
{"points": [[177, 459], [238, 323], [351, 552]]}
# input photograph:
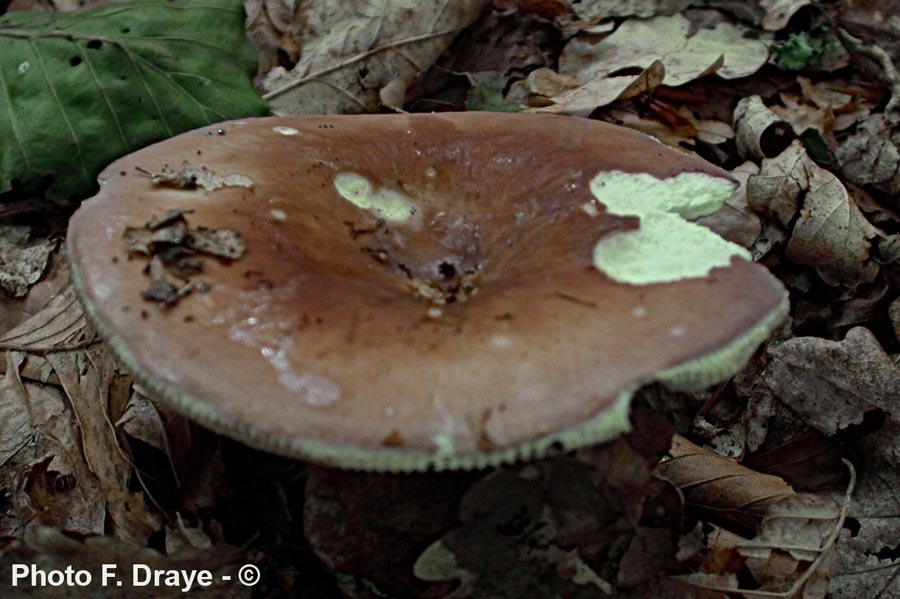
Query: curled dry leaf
{"points": [[671, 50], [830, 234], [347, 52], [831, 384], [141, 420], [570, 94], [759, 132]]}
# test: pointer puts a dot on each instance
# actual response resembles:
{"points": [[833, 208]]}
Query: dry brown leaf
{"points": [[142, 421], [55, 279], [347, 52], [563, 93], [672, 126], [859, 574], [718, 487], [831, 234], [871, 155], [95, 389], [55, 328], [775, 192], [791, 557], [831, 384], [867, 564], [822, 106], [22, 259], [670, 49]]}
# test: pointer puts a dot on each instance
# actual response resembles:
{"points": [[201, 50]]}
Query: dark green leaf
{"points": [[78, 90], [817, 148]]}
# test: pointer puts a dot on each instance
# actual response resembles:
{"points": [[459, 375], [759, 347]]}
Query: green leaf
{"points": [[78, 90], [804, 49]]}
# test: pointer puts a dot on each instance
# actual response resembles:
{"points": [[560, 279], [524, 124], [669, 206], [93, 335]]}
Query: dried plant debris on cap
{"points": [[177, 253], [425, 291]]}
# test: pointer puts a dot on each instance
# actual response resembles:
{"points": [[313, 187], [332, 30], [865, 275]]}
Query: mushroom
{"points": [[420, 291]]}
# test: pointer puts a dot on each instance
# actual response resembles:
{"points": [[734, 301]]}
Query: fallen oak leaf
{"points": [[831, 384]]}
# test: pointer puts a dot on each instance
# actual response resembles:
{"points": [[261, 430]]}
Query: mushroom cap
{"points": [[420, 290]]}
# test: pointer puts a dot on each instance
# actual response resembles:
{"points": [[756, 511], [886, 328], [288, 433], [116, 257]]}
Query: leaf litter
{"points": [[665, 49], [340, 56]]}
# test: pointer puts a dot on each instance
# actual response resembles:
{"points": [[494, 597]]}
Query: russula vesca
{"points": [[447, 291]]}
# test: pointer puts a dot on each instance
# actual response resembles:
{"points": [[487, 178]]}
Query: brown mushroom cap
{"points": [[438, 307]]}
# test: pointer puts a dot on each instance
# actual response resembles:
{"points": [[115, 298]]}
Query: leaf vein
{"points": [[62, 109], [17, 136]]}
